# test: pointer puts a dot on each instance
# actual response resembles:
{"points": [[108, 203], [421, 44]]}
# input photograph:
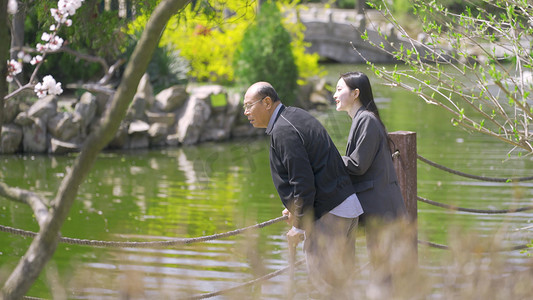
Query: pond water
{"points": [[186, 192]]}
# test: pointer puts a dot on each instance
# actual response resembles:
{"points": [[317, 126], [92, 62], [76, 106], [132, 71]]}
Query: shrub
{"points": [[265, 54]]}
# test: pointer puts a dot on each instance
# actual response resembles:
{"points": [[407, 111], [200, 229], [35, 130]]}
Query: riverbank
{"points": [[177, 116]]}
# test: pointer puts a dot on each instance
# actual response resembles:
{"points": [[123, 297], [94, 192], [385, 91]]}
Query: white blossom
{"points": [[69, 6], [53, 27], [13, 68], [55, 43], [48, 86], [45, 37], [59, 16], [37, 59], [26, 58], [12, 7], [40, 47]]}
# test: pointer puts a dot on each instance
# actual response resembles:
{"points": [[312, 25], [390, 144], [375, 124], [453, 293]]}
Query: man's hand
{"points": [[286, 212], [294, 237]]}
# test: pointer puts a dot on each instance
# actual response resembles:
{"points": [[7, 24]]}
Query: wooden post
{"points": [[405, 159]]}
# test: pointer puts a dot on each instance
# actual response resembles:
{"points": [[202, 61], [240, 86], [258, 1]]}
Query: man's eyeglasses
{"points": [[249, 106]]}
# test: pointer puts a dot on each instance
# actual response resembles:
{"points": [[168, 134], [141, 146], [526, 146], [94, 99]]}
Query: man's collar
{"points": [[274, 117]]}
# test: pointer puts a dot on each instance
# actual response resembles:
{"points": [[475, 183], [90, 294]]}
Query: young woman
{"points": [[368, 158], [368, 161]]}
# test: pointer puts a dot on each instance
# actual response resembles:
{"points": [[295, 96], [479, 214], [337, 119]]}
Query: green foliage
{"points": [[94, 31], [345, 4], [475, 64], [306, 63], [207, 35], [167, 67], [265, 54]]}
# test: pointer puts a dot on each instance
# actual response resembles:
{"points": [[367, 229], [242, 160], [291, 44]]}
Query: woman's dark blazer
{"points": [[368, 161]]}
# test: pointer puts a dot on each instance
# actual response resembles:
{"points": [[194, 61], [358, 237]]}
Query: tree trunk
{"points": [[17, 29], [4, 56], [43, 246]]}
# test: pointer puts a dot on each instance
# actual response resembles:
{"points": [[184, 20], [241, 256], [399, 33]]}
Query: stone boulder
{"points": [[85, 110], [121, 137], [224, 112], [10, 138], [34, 137], [44, 108], [63, 126], [138, 135], [192, 118], [137, 108], [61, 147], [157, 134], [11, 110], [170, 99], [161, 117], [146, 91], [23, 119]]}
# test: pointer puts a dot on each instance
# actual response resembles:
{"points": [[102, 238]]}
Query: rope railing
{"points": [[472, 210], [483, 178], [153, 244], [445, 247], [248, 283]]}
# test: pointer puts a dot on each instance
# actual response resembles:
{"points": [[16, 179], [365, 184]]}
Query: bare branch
{"points": [[84, 56], [111, 70], [36, 203]]}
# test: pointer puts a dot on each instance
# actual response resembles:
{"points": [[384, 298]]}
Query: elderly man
{"points": [[309, 175]]}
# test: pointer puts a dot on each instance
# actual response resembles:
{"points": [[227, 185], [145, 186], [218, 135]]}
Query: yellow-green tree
{"points": [[208, 34]]}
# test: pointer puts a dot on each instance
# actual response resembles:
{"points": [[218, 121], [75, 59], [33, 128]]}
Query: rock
{"points": [[138, 126], [173, 139], [246, 130], [137, 108], [121, 137], [224, 108], [204, 92], [191, 120], [34, 137], [11, 110], [66, 104], [102, 101], [138, 141], [60, 147], [159, 117], [10, 138], [170, 99], [146, 91], [157, 134], [23, 119], [318, 98], [63, 126], [85, 110], [44, 108]]}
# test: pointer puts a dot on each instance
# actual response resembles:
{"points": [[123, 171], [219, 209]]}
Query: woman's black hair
{"points": [[359, 80]]}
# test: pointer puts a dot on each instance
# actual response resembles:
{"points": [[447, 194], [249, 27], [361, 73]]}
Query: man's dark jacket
{"points": [[306, 167]]}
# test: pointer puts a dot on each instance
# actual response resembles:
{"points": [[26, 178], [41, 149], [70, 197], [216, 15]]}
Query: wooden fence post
{"points": [[405, 161]]}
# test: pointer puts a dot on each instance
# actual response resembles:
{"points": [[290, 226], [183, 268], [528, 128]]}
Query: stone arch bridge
{"points": [[332, 32]]}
